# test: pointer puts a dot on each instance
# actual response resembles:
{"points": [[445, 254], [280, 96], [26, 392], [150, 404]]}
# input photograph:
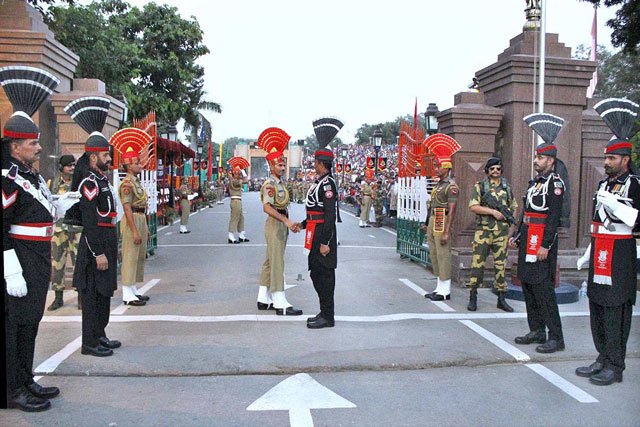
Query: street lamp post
{"points": [[172, 135], [431, 121], [377, 143]]}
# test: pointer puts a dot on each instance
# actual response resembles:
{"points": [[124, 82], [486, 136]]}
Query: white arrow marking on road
{"points": [[299, 394]]}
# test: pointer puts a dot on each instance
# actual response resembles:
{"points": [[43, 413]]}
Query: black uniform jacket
{"points": [[321, 197], [99, 236], [544, 195], [624, 275], [19, 206]]}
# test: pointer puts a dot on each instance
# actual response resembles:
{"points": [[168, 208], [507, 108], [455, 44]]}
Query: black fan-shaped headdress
{"points": [[620, 116], [27, 88], [90, 113], [326, 129], [547, 126]]}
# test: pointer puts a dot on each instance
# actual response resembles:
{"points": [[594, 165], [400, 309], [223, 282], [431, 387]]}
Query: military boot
{"points": [[79, 301], [473, 300], [57, 302], [502, 303]]}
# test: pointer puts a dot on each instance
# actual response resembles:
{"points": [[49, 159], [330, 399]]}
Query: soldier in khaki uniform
{"points": [[275, 203], [238, 177], [134, 227], [492, 231], [65, 237], [185, 207], [442, 209], [365, 191]]}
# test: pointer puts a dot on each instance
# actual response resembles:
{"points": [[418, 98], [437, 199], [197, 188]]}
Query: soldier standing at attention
{"points": [[65, 236], [95, 273], [275, 203], [134, 229], [537, 256], [444, 198], [492, 230], [365, 191], [236, 219], [185, 196], [612, 253], [27, 228]]}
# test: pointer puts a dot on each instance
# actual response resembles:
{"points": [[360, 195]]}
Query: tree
{"points": [[146, 55], [617, 73], [626, 24]]}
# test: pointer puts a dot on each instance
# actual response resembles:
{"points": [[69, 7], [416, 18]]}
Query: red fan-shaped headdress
{"points": [[274, 141], [239, 163], [130, 142], [443, 146]]}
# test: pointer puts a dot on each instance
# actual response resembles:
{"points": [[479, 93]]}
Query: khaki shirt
{"points": [[446, 191], [275, 193], [235, 187], [132, 192], [366, 189]]}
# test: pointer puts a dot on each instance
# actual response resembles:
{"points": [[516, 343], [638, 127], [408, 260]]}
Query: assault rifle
{"points": [[490, 201]]}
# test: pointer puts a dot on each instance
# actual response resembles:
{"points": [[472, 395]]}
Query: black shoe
{"points": [[135, 303], [263, 306], [473, 300], [25, 401], [289, 311], [243, 240], [106, 342], [185, 232], [320, 323], [437, 297], [538, 337], [314, 318], [57, 302], [232, 241], [43, 392], [142, 297], [98, 351], [502, 303], [588, 371], [551, 346], [606, 377]]}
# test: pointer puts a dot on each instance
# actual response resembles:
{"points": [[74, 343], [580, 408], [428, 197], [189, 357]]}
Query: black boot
{"points": [[57, 302], [502, 303], [473, 300], [79, 302]]}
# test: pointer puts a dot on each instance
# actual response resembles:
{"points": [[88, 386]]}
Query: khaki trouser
{"points": [[272, 275], [366, 208], [133, 255], [440, 254], [236, 221], [185, 208]]}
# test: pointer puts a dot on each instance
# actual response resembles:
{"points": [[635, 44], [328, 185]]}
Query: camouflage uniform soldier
{"points": [[65, 237], [492, 231], [378, 202]]}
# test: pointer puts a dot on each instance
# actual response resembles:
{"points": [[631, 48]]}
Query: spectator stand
{"points": [[415, 165], [148, 178]]}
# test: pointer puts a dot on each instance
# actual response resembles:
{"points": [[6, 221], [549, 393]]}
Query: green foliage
{"points": [[147, 55], [626, 24]]}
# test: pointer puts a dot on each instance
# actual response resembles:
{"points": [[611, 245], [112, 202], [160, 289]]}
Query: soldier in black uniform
{"points": [[612, 252], [320, 240], [94, 275], [27, 213], [538, 250]]}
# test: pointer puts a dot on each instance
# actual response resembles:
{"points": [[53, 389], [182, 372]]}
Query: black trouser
{"points": [[324, 281], [610, 328], [21, 345], [542, 308], [95, 316]]}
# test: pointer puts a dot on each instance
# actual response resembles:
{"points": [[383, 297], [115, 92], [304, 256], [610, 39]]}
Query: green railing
{"points": [[411, 242]]}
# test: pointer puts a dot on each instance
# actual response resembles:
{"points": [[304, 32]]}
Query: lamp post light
{"points": [[431, 121], [377, 143], [172, 135]]}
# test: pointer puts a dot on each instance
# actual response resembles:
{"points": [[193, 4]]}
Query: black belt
{"points": [[283, 212], [314, 216], [139, 210]]}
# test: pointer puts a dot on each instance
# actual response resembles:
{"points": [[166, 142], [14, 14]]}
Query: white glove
{"points": [[584, 259], [607, 199], [626, 214], [16, 285], [244, 174]]}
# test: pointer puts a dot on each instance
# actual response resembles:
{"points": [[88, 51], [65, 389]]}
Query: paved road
{"points": [[200, 353]]}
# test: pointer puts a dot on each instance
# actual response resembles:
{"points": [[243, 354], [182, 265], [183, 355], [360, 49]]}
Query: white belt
{"points": [[621, 229], [236, 197], [34, 231]]}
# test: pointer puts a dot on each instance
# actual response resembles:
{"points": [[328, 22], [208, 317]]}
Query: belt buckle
{"points": [[49, 230]]}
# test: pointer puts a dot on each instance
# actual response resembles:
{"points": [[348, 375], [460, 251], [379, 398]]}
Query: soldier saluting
{"points": [[27, 216], [538, 252], [612, 253]]}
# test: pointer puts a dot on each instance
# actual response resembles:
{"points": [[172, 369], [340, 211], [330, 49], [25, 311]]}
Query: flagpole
{"points": [[543, 34]]}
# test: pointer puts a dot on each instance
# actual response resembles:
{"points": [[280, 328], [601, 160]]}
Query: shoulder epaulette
{"points": [[11, 173]]}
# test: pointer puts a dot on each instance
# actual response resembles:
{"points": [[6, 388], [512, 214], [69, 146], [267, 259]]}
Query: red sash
{"points": [[535, 232], [312, 220], [602, 256]]}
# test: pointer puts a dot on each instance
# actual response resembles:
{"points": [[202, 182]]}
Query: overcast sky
{"points": [[285, 63]]}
